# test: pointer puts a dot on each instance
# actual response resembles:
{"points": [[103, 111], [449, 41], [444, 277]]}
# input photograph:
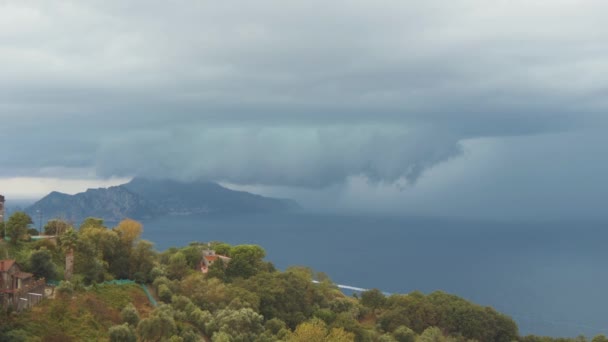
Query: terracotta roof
{"points": [[215, 257], [23, 275], [6, 264]]}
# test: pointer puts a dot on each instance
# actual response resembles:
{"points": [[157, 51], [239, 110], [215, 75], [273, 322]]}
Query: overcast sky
{"points": [[454, 108]]}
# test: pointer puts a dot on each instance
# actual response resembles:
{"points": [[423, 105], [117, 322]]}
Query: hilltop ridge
{"points": [[143, 198]]}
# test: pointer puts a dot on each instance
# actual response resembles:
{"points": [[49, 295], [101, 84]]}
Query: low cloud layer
{"points": [[301, 156]]}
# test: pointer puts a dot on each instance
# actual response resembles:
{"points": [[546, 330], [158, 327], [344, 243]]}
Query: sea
{"points": [[550, 277]]}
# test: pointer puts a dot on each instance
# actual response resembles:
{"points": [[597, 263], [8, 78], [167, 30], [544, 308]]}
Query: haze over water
{"points": [[550, 277]]}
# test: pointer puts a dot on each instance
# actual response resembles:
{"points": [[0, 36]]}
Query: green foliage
{"points": [[373, 299], [68, 240], [600, 338], [141, 261], [129, 315], [208, 294], [65, 288], [16, 226], [245, 300], [404, 334], [41, 264], [122, 333], [246, 261], [160, 325], [164, 293], [83, 316], [92, 222], [199, 318], [56, 227], [16, 335], [222, 249], [217, 270], [431, 334], [326, 315], [316, 330], [288, 296], [192, 254], [534, 338], [178, 266], [386, 338], [241, 325], [451, 314]]}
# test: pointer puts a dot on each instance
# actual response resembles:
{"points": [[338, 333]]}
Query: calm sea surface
{"points": [[552, 278]]}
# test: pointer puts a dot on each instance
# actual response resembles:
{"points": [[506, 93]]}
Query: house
{"points": [[209, 258], [17, 288]]}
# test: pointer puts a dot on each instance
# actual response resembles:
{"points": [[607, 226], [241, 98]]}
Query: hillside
{"points": [[145, 198], [186, 198], [112, 204], [244, 298]]}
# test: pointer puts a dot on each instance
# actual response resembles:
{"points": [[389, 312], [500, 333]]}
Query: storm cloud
{"points": [[305, 156], [302, 94]]}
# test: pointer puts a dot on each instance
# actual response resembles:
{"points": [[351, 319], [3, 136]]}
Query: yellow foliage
{"points": [[340, 335], [129, 230], [316, 330]]}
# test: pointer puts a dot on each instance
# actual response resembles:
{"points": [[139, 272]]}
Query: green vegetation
{"points": [[244, 299], [16, 228]]}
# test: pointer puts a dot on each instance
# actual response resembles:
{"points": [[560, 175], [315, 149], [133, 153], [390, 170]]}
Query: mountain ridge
{"points": [[143, 198]]}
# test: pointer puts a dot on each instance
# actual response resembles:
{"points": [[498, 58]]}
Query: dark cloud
{"points": [[305, 94], [280, 155]]}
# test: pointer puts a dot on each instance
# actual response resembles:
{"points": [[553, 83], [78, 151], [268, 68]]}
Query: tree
{"points": [[314, 330], [130, 315], [41, 264], [340, 335], [98, 251], [404, 334], [17, 225], [600, 338], [129, 231], [68, 242], [56, 227], [178, 266], [431, 334], [373, 299], [122, 333], [241, 325], [217, 270], [246, 261], [141, 261], [164, 293], [158, 326], [92, 222], [222, 249]]}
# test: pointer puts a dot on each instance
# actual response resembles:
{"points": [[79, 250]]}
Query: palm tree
{"points": [[68, 241]]}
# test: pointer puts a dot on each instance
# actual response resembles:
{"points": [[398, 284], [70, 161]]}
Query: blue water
{"points": [[552, 278]]}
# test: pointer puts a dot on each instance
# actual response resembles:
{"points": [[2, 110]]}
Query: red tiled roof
{"points": [[215, 257], [6, 265]]}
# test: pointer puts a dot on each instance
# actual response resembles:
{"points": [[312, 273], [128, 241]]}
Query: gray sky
{"points": [[468, 108]]}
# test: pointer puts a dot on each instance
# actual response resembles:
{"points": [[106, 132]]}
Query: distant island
{"points": [[144, 198]]}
